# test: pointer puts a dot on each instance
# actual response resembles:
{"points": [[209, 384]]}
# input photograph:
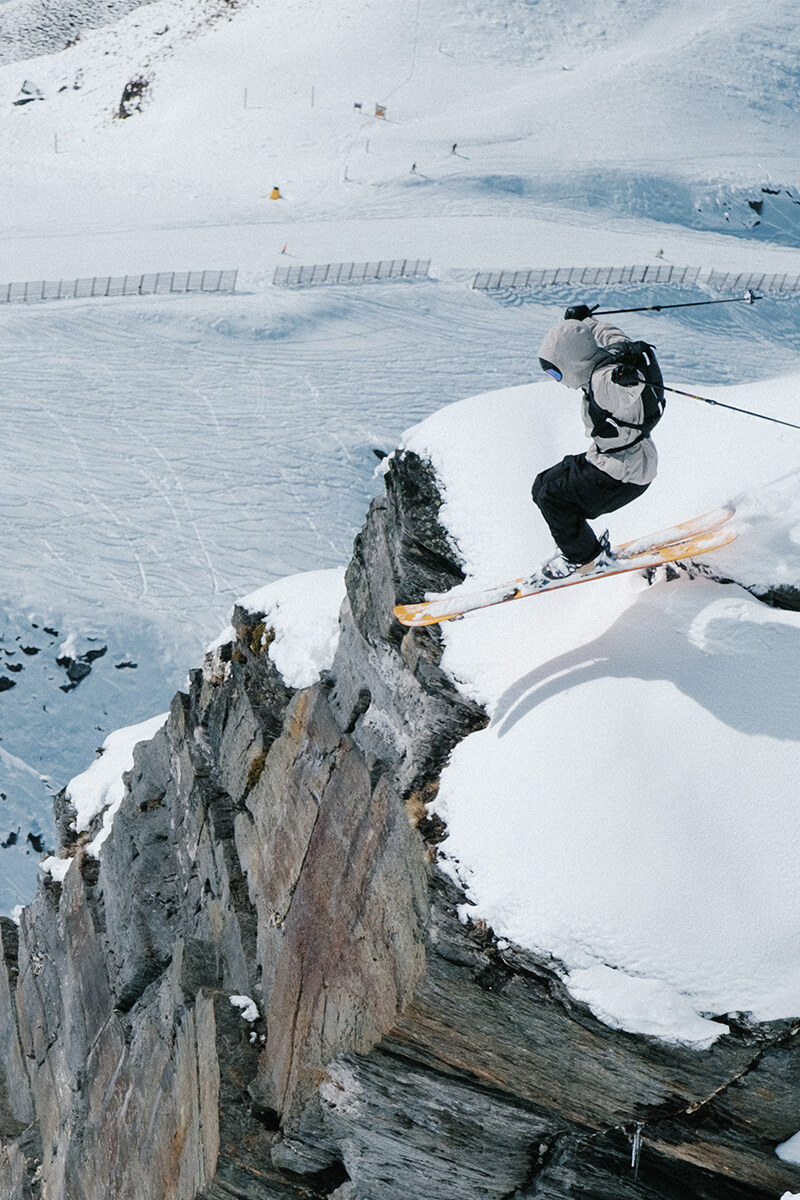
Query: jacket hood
{"points": [[571, 347]]}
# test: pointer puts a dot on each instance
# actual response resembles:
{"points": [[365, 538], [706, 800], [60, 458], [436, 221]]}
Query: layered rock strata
{"points": [[278, 846]]}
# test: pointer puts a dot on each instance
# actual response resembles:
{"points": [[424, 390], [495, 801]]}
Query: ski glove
{"points": [[578, 312]]}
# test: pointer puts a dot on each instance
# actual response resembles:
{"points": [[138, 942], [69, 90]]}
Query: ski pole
{"points": [[732, 407], [747, 298]]}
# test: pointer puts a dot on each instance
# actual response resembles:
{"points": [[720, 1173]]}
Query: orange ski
{"points": [[685, 541]]}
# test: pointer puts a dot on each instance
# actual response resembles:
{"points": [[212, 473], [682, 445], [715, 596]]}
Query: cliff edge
{"points": [[262, 987]]}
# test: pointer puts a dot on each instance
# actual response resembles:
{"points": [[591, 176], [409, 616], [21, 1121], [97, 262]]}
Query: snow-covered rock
{"points": [[637, 746]]}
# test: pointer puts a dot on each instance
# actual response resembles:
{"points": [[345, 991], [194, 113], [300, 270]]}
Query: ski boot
{"points": [[560, 567]]}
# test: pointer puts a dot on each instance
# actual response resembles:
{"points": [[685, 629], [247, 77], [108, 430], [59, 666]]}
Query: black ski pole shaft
{"points": [[750, 298], [718, 404]]}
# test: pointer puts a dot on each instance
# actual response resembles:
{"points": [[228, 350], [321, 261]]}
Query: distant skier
{"points": [[623, 398]]}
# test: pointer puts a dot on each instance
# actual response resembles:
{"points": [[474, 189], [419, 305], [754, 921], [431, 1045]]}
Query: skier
{"points": [[622, 400]]}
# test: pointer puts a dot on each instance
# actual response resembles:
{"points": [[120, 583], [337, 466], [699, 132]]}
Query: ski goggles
{"points": [[550, 369]]}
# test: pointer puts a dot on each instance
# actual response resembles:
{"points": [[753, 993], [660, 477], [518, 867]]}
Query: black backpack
{"points": [[635, 363]]}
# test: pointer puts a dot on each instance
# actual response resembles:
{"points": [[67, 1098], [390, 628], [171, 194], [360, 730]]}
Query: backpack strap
{"points": [[627, 373]]}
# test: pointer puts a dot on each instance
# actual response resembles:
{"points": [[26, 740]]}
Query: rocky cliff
{"points": [[276, 847]]}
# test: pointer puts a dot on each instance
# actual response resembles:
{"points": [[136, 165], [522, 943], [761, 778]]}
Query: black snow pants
{"points": [[573, 490]]}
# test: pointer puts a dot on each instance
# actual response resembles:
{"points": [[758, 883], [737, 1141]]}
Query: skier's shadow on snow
{"points": [[744, 672]]}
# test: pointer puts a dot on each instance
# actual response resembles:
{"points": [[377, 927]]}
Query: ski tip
{"points": [[414, 616]]}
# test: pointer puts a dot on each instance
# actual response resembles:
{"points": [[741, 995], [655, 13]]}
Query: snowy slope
{"points": [[166, 456], [631, 807], [647, 108]]}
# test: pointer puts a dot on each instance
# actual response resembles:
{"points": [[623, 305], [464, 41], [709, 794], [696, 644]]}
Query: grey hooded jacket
{"points": [[578, 349]]}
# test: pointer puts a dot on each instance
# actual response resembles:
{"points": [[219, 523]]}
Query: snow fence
{"points": [[157, 283], [388, 268], [664, 273]]}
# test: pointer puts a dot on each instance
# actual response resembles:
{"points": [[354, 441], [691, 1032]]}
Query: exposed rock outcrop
{"points": [[36, 27], [31, 28], [276, 844]]}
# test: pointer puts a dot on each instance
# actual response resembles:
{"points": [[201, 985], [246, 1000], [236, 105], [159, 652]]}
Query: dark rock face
{"points": [[276, 845]]}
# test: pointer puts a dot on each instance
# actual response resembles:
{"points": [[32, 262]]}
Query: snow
{"points": [[638, 769], [167, 455], [56, 867], [789, 1151], [248, 1007], [647, 1006], [101, 788], [25, 799], [28, 27], [303, 613]]}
